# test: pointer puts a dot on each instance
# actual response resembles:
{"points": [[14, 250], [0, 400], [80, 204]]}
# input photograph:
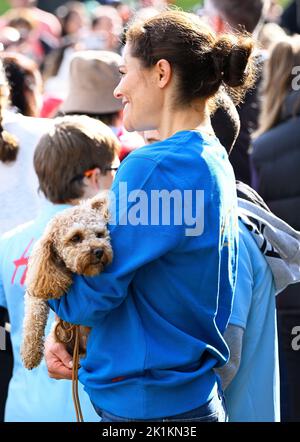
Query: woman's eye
{"points": [[76, 238]]}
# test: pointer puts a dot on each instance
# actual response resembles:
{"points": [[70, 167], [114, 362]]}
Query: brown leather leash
{"points": [[74, 331], [75, 366]]}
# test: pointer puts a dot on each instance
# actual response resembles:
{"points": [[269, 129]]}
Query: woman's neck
{"points": [[195, 117]]}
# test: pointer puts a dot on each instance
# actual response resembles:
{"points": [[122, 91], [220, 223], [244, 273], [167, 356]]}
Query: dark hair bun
{"points": [[232, 60]]}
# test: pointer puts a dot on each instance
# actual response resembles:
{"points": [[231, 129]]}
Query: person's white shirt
{"points": [[19, 196]]}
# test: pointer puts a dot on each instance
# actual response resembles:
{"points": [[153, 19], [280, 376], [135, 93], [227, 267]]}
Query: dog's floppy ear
{"points": [[47, 277], [100, 203]]}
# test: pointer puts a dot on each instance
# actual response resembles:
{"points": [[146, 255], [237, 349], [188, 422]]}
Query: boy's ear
{"points": [[100, 203]]}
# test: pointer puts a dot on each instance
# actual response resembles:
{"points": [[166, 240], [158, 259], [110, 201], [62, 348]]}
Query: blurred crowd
{"points": [[66, 63]]}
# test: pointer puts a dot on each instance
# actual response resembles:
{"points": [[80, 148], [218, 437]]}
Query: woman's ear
{"points": [[47, 277], [164, 72]]}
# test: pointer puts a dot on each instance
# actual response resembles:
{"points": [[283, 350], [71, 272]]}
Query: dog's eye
{"points": [[99, 234], [76, 238]]}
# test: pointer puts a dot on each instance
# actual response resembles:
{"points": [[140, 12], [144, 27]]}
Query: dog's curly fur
{"points": [[75, 241]]}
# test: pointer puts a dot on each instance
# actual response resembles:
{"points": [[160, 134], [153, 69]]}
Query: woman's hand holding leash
{"points": [[58, 360]]}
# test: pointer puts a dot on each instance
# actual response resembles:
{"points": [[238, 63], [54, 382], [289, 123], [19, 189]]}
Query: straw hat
{"points": [[92, 80]]}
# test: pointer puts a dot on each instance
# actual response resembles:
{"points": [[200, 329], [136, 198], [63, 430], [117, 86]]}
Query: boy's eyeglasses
{"points": [[115, 168], [89, 173]]}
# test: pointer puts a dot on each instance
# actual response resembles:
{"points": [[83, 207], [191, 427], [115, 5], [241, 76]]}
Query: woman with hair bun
{"points": [[159, 311]]}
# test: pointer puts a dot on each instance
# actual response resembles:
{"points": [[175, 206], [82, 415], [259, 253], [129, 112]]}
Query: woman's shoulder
{"points": [[176, 161], [185, 149], [175, 144]]}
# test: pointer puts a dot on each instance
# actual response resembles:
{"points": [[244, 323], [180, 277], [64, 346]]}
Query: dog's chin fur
{"points": [[87, 265], [93, 269]]}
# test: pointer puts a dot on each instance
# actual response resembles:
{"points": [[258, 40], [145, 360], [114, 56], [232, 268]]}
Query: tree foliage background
{"points": [[190, 4], [184, 4]]}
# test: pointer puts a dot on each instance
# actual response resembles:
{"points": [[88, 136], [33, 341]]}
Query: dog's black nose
{"points": [[98, 253]]}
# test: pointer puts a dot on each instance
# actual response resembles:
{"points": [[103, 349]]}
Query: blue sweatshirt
{"points": [[159, 310]]}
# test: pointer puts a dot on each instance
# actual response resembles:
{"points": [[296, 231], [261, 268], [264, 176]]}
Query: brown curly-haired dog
{"points": [[75, 241]]}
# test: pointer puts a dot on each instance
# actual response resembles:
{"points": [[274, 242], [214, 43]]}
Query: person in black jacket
{"points": [[276, 166], [290, 19], [276, 153]]}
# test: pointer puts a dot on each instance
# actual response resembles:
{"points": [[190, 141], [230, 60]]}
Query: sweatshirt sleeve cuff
{"points": [[54, 305]]}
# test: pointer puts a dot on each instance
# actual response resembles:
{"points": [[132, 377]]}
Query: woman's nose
{"points": [[117, 93]]}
